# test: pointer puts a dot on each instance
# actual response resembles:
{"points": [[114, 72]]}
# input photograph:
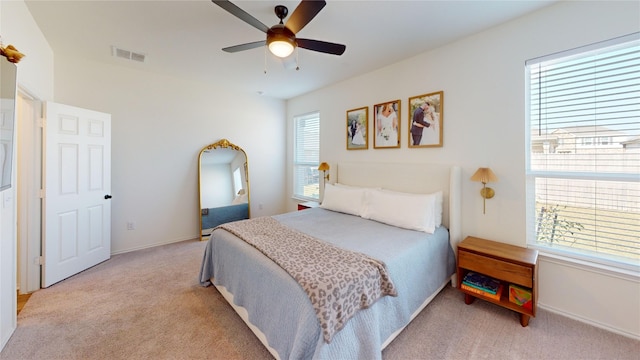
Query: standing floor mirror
{"points": [[223, 183]]}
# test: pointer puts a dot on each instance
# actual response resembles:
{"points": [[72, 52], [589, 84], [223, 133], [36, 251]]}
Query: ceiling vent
{"points": [[126, 54]]}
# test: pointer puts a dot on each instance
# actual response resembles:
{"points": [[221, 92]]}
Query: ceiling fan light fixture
{"points": [[281, 41], [281, 48]]}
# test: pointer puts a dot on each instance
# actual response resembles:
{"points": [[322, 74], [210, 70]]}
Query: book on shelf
{"points": [[520, 296], [489, 295], [491, 291], [482, 282]]}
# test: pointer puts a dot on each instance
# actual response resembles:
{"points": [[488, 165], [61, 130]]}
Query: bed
{"points": [[420, 264], [213, 217]]}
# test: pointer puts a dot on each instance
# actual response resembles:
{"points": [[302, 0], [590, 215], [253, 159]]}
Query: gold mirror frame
{"points": [[221, 144]]}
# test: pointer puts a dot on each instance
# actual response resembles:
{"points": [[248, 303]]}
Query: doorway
{"points": [[77, 185], [29, 202]]}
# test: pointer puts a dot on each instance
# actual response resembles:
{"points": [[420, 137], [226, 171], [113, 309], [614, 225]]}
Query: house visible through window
{"points": [[583, 158], [306, 155]]}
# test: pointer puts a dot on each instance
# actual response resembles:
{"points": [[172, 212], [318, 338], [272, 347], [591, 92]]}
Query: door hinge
{"points": [[41, 122], [39, 260], [42, 193]]}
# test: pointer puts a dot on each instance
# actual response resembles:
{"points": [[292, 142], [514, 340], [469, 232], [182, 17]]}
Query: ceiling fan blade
{"points": [[247, 46], [241, 14], [303, 14], [322, 46]]}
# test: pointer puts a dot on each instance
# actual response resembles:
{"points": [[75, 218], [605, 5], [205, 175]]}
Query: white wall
{"points": [[35, 74], [221, 193], [482, 77], [159, 125]]}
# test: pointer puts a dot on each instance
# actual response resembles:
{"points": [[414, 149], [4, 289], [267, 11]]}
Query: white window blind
{"points": [[583, 163], [306, 154]]}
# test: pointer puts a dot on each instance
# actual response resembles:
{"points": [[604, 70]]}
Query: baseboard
{"points": [[151, 246], [588, 321], [7, 336]]}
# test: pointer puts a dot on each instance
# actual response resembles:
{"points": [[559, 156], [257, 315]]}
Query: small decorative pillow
{"points": [[345, 199], [408, 211]]}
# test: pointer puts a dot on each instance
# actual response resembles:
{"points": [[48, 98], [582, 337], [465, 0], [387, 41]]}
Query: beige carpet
{"points": [[148, 305]]}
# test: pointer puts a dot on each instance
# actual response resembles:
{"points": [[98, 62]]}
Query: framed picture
{"points": [[357, 125], [425, 120], [386, 125]]}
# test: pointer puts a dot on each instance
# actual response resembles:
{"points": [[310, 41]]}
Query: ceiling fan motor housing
{"points": [[281, 33]]}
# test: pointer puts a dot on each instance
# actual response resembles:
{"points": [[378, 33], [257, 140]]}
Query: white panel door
{"points": [[77, 205]]}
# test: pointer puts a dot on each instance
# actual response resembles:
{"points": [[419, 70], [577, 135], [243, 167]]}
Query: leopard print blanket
{"points": [[338, 282]]}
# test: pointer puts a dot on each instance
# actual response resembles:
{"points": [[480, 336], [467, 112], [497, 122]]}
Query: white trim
{"points": [[570, 259], [587, 321], [156, 244], [586, 48]]}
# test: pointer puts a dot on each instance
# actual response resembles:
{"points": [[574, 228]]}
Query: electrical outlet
{"points": [[131, 225]]}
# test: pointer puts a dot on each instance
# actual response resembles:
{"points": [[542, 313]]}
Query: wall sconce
{"points": [[485, 175], [324, 167]]}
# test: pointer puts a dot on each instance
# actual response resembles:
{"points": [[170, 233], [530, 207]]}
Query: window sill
{"points": [[621, 270], [304, 199]]}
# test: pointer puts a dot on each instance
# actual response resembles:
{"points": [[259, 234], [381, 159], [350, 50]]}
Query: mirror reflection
{"points": [[223, 185]]}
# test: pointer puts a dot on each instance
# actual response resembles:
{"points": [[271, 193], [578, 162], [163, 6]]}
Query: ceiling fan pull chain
{"points": [[297, 60], [265, 59]]}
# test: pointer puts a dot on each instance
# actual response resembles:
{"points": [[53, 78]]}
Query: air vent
{"points": [[127, 54]]}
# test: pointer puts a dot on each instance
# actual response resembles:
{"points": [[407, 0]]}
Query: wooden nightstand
{"points": [[307, 205], [512, 265]]}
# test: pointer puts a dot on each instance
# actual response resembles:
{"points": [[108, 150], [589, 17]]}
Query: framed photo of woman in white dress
{"points": [[386, 125], [425, 120], [357, 125]]}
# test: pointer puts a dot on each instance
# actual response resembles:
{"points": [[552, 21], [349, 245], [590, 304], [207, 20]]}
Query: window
{"points": [[306, 155], [237, 181], [584, 201]]}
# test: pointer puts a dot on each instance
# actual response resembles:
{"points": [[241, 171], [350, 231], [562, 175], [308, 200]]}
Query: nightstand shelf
{"points": [[511, 265]]}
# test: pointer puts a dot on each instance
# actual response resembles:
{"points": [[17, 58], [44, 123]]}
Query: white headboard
{"points": [[420, 178]]}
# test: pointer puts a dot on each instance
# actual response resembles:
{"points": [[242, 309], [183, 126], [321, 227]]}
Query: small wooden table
{"points": [[508, 263]]}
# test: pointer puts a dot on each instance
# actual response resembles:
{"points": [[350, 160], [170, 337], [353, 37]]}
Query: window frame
{"points": [[623, 265], [310, 163]]}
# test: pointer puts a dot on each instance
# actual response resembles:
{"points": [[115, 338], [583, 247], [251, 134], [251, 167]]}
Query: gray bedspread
{"points": [[418, 263], [338, 282]]}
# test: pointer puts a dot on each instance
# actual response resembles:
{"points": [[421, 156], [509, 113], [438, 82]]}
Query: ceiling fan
{"points": [[281, 38]]}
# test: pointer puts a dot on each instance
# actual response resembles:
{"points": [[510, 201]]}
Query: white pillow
{"points": [[344, 199], [438, 205], [408, 211]]}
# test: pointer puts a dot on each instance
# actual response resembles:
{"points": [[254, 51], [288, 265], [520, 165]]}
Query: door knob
{"points": [[107, 197]]}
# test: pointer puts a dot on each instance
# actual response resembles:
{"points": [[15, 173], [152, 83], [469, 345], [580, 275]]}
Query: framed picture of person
{"points": [[425, 120], [357, 125], [386, 125]]}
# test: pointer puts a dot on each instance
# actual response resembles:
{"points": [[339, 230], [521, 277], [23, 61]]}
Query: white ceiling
{"points": [[184, 38]]}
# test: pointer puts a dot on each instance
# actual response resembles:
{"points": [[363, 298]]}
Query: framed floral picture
{"points": [[425, 120], [357, 125], [386, 125]]}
